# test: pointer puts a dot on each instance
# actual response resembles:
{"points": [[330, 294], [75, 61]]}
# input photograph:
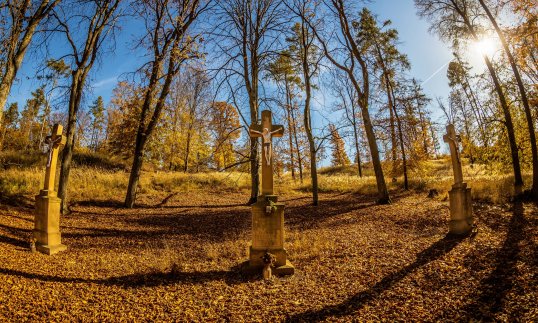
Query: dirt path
{"points": [[175, 257]]}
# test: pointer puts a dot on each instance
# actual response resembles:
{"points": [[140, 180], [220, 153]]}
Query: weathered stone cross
{"points": [[267, 131], [55, 141], [453, 139]]}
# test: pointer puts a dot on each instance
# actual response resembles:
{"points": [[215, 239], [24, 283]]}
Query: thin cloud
{"points": [[436, 72], [104, 82]]}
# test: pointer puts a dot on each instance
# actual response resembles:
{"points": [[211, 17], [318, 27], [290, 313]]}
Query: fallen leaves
{"points": [[354, 260]]}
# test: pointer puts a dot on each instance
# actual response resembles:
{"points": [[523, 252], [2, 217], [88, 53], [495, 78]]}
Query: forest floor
{"points": [[176, 257]]}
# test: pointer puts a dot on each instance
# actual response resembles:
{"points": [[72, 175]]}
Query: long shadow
{"points": [[18, 217], [14, 242], [215, 226], [15, 231], [494, 288], [358, 301], [309, 216], [15, 200], [231, 277], [18, 232], [161, 205]]}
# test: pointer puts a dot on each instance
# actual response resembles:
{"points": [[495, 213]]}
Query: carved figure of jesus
{"points": [[266, 137], [53, 143], [453, 139]]}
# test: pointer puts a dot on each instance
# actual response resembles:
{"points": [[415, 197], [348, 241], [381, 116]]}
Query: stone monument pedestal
{"points": [[47, 223], [268, 235], [461, 210]]}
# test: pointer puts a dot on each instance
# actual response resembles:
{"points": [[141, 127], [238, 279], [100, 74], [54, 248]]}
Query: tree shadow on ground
{"points": [[17, 232], [300, 216], [16, 200], [358, 301], [494, 288], [214, 226], [14, 242], [151, 279]]}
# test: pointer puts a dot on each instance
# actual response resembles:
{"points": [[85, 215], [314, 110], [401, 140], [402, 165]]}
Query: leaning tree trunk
{"points": [[296, 139], [400, 135], [392, 129], [312, 148], [356, 137], [382, 190], [518, 179], [78, 77], [524, 99], [290, 135], [138, 159]]}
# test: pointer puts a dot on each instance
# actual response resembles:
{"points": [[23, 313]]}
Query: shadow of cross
{"points": [[267, 131]]}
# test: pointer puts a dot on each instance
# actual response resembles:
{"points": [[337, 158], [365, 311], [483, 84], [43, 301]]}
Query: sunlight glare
{"points": [[486, 46]]}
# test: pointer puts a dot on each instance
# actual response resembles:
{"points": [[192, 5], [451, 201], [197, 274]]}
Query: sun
{"points": [[486, 46]]}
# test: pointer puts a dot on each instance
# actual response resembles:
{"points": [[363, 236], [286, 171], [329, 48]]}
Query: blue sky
{"points": [[427, 55]]}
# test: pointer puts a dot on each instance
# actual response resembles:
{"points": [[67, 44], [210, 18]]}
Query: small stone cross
{"points": [[453, 139], [55, 141], [267, 131]]}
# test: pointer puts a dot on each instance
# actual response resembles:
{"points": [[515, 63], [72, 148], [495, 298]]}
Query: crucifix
{"points": [[55, 141], [453, 140], [267, 131]]}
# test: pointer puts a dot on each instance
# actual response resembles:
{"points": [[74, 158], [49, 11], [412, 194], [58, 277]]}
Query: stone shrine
{"points": [[47, 204], [461, 204], [267, 212]]}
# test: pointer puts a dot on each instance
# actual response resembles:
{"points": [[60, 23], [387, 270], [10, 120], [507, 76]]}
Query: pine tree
{"points": [[97, 110], [339, 155]]}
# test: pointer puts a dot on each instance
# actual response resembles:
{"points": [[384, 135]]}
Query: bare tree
{"points": [[21, 17], [348, 54], [246, 35], [98, 18], [170, 43]]}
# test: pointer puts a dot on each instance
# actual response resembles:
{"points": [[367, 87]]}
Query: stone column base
{"points": [[461, 210], [268, 235], [47, 224], [50, 250]]}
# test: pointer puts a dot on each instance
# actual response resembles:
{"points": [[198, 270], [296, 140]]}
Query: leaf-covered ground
{"points": [[177, 258]]}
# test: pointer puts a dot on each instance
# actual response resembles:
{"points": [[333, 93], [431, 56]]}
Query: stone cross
{"points": [[453, 139], [55, 141], [267, 131]]}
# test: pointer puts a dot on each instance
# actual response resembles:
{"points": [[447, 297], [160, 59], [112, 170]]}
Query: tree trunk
{"points": [[356, 137], [383, 193], [290, 136], [296, 139], [312, 148], [138, 159], [187, 151], [67, 154], [524, 99], [254, 170], [518, 179], [392, 129], [400, 134]]}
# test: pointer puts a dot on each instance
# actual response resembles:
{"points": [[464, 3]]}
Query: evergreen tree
{"points": [[97, 110], [339, 155]]}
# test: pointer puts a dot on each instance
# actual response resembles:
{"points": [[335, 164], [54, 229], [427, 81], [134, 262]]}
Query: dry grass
{"points": [[87, 183], [97, 184]]}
